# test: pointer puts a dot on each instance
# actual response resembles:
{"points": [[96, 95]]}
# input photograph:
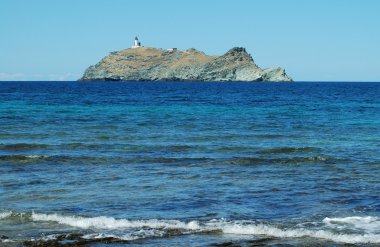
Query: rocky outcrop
{"points": [[151, 64]]}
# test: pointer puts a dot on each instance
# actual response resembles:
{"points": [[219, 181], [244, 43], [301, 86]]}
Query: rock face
{"points": [[151, 64]]}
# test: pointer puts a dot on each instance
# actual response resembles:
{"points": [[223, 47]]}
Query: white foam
{"points": [[7, 241], [367, 223], [263, 229], [36, 156], [129, 236], [4, 215], [50, 237], [104, 235], [147, 228], [112, 223]]}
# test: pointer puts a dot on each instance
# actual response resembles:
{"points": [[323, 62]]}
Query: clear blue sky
{"points": [[329, 40]]}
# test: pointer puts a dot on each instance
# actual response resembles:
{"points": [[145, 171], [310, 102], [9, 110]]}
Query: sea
{"points": [[189, 164]]}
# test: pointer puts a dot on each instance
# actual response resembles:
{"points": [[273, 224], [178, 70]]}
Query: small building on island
{"points": [[171, 50], [136, 43]]}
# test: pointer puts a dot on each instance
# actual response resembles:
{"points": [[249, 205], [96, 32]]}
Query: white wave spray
{"points": [[112, 223], [227, 227]]}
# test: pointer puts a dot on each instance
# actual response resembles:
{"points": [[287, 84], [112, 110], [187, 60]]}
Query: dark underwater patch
{"points": [[289, 150], [22, 146]]}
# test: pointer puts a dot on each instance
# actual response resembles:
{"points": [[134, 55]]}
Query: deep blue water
{"points": [[190, 164]]}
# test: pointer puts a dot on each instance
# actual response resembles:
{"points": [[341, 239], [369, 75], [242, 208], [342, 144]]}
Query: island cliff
{"points": [[152, 64]]}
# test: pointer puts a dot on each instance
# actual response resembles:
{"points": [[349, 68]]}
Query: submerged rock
{"points": [[152, 64]]}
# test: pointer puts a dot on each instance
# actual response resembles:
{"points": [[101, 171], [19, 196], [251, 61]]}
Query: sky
{"points": [[324, 40]]}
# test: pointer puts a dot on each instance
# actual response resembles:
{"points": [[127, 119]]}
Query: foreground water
{"points": [[189, 164]]}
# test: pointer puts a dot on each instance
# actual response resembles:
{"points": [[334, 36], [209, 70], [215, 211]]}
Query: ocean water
{"points": [[189, 164]]}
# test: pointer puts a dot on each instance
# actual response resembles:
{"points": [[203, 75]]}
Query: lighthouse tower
{"points": [[136, 43]]}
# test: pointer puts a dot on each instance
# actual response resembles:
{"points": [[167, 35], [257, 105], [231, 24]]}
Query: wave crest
{"points": [[274, 231], [112, 223], [158, 228], [367, 223]]}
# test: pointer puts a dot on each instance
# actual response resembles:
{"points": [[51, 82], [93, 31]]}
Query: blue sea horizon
{"points": [[189, 163]]}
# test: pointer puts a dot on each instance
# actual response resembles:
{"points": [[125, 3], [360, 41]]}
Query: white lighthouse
{"points": [[136, 43]]}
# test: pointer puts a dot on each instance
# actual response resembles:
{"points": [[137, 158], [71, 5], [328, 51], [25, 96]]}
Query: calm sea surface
{"points": [[189, 164]]}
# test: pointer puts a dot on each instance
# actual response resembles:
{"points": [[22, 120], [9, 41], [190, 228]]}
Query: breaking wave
{"points": [[367, 224], [112, 223], [158, 228], [273, 231]]}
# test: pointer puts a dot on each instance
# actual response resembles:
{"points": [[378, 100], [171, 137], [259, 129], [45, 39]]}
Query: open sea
{"points": [[189, 164]]}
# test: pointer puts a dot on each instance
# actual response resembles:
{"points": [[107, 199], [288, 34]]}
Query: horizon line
{"points": [[307, 81]]}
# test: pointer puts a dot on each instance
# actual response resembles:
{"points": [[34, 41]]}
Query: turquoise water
{"points": [[189, 164]]}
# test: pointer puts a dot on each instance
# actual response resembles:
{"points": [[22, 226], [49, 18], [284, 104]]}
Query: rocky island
{"points": [[151, 64]]}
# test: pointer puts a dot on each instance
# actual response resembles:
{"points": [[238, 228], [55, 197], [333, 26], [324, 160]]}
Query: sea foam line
{"points": [[367, 223], [263, 229], [112, 223], [227, 227]]}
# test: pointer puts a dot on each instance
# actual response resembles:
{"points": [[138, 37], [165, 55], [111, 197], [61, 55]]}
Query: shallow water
{"points": [[181, 164]]}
